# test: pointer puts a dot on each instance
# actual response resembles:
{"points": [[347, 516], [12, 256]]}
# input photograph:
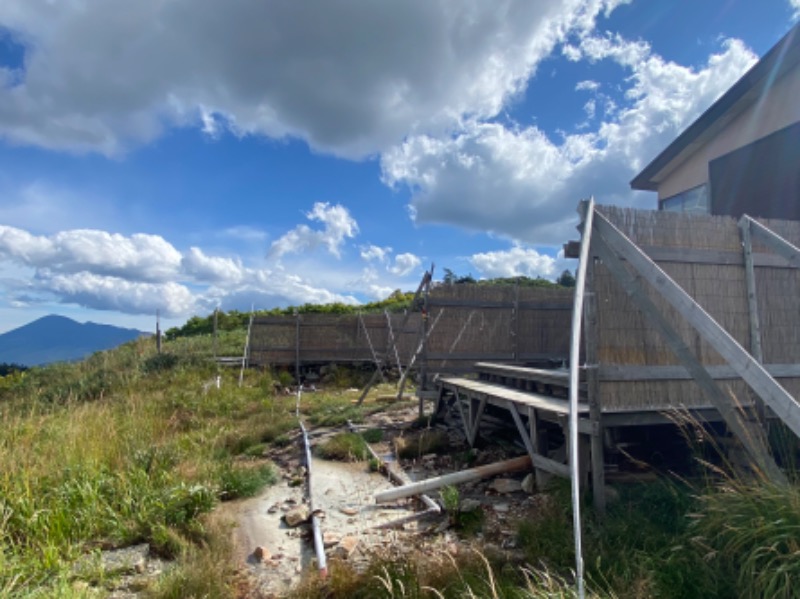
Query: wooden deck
{"points": [[530, 395]]}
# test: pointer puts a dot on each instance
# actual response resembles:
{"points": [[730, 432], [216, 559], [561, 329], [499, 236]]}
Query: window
{"points": [[693, 200]]}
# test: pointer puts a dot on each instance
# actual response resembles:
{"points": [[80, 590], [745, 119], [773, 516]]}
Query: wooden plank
{"points": [[469, 357], [611, 240], [435, 302], [703, 256], [559, 378], [528, 398], [621, 372], [776, 243]]}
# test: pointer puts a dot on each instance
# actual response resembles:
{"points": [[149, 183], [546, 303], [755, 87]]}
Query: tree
{"points": [[566, 279]]}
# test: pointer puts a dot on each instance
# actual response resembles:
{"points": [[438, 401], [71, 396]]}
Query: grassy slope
{"points": [[127, 447]]}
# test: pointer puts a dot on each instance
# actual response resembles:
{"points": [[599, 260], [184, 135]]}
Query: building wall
{"points": [[778, 109]]}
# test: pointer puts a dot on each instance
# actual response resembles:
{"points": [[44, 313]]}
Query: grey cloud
{"points": [[349, 76]]}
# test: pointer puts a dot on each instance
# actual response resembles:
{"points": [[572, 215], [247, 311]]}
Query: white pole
{"points": [[574, 358]]}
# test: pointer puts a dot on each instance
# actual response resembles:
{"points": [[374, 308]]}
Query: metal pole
{"points": [[319, 547], [587, 208]]}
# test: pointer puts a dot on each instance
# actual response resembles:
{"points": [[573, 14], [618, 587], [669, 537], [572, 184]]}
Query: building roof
{"points": [[773, 65]]}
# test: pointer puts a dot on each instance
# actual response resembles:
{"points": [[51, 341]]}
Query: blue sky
{"points": [[184, 155]]}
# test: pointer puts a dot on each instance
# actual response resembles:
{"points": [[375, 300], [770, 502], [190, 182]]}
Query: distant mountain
{"points": [[57, 338]]}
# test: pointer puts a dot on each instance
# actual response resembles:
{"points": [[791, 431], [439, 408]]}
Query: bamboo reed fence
{"points": [[704, 255]]}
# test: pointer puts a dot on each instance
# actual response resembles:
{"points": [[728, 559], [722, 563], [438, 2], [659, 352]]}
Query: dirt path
{"points": [[344, 493]]}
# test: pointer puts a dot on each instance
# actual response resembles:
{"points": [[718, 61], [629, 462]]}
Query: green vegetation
{"points": [[346, 447], [131, 446], [235, 320], [565, 280]]}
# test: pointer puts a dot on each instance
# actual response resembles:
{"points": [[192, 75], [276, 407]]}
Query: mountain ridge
{"points": [[55, 338]]}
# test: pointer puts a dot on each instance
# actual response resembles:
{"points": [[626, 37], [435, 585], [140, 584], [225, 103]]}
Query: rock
{"points": [[296, 516], [469, 505], [501, 507], [129, 560], [505, 485], [273, 508], [262, 554], [349, 511], [529, 483], [329, 539], [346, 547]]}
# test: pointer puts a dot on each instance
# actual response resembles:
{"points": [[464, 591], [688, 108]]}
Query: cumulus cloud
{"points": [[338, 226], [145, 257], [520, 183], [404, 264], [375, 253], [212, 269], [142, 273], [795, 6], [517, 262], [115, 293], [258, 67]]}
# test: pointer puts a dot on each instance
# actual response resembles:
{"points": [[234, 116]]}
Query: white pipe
{"points": [[574, 358], [319, 547], [454, 478]]}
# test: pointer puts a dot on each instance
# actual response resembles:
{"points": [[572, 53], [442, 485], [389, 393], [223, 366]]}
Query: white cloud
{"points": [[212, 269], [114, 293], [144, 257], [375, 253], [144, 273], [101, 75], [795, 6], [587, 85], [404, 264], [338, 226], [519, 183], [515, 262]]}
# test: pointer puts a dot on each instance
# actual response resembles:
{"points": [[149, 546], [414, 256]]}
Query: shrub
{"points": [[347, 447], [242, 479]]}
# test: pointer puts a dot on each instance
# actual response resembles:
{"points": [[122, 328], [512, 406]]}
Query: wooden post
{"points": [[214, 334], [752, 308], [593, 390], [297, 347], [423, 363], [750, 436], [514, 324], [158, 331]]}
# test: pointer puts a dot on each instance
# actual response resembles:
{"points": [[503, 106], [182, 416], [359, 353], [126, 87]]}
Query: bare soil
{"points": [[343, 492]]}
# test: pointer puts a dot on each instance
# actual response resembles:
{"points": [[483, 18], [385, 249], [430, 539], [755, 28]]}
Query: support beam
{"points": [[539, 461], [776, 397], [750, 436], [775, 242]]}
